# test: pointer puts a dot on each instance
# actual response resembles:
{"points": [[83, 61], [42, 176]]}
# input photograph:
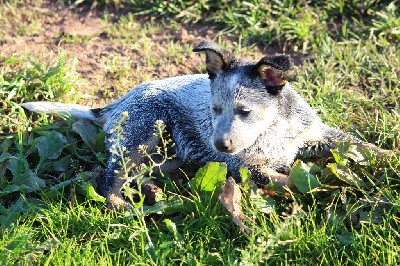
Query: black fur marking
{"points": [[258, 177], [274, 90], [211, 75], [281, 62], [270, 69], [217, 58], [97, 111], [205, 45], [318, 150]]}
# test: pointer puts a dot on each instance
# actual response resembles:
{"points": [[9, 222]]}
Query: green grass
{"points": [[348, 70], [25, 23], [299, 24], [25, 78]]}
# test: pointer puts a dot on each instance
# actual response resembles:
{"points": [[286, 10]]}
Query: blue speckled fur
{"points": [[182, 103]]}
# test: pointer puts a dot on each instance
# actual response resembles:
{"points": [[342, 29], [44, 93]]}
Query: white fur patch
{"points": [[74, 110]]}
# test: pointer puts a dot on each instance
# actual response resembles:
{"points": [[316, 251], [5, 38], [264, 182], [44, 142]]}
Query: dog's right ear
{"points": [[271, 71], [217, 58]]}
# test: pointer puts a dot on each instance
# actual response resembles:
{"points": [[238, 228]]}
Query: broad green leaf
{"points": [[5, 145], [5, 156], [248, 185], [3, 167], [63, 184], [357, 153], [19, 242], [313, 168], [101, 157], [23, 175], [301, 178], [209, 177], [12, 188], [339, 158], [167, 245], [345, 151], [170, 225], [51, 145], [90, 134], [346, 175], [10, 215], [63, 164], [83, 176]]}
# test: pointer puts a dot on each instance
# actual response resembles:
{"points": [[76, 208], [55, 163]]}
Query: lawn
{"points": [[342, 210]]}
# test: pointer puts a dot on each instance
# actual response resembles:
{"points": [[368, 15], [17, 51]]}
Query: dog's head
{"points": [[244, 96]]}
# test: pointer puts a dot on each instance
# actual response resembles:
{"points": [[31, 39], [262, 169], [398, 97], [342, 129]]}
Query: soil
{"points": [[86, 22]]}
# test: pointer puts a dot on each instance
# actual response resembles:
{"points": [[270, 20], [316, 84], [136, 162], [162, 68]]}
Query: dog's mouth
{"points": [[227, 151]]}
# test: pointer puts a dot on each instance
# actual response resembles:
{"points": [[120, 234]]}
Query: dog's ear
{"points": [[217, 58], [271, 71]]}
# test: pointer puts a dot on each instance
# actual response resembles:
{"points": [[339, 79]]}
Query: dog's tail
{"points": [[72, 110]]}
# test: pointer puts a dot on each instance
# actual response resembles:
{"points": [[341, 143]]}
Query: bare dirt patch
{"points": [[110, 64]]}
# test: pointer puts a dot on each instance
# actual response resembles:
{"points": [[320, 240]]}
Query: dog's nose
{"points": [[223, 145]]}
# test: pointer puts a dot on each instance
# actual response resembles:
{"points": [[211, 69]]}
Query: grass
{"points": [[24, 23], [25, 78], [347, 67], [299, 24]]}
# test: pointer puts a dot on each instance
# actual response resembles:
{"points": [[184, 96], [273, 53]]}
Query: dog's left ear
{"points": [[217, 58], [271, 71]]}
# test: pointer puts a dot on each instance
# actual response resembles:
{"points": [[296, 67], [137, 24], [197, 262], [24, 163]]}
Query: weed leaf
{"points": [[63, 164], [88, 190], [262, 201], [244, 174], [175, 205], [209, 177], [346, 175], [313, 168], [51, 145], [3, 163], [339, 158], [172, 228], [11, 214], [89, 134], [302, 178], [23, 175], [12, 188], [345, 151], [81, 177], [346, 238]]}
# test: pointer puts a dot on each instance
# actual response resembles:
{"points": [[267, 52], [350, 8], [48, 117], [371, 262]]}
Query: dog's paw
{"points": [[264, 175], [116, 202]]}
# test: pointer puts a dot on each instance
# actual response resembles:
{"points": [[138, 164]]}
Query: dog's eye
{"points": [[243, 111], [217, 110]]}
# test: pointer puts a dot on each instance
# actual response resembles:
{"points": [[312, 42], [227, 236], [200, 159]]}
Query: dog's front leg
{"points": [[121, 165], [113, 181]]}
